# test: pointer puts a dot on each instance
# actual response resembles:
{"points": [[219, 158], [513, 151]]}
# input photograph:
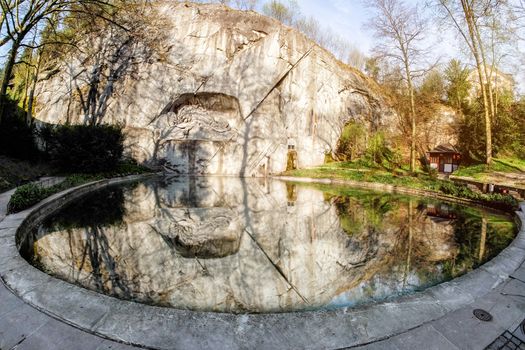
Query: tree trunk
{"points": [[475, 51], [413, 136], [483, 238], [8, 71], [29, 114], [488, 76], [409, 248], [412, 117], [26, 87]]}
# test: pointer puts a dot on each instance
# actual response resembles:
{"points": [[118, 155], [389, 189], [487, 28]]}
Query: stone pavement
{"points": [[461, 330], [24, 327]]}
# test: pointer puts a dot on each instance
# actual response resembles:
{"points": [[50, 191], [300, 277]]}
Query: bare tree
{"points": [[20, 18], [357, 58], [286, 12], [518, 10], [246, 4], [476, 23], [112, 53], [399, 29]]}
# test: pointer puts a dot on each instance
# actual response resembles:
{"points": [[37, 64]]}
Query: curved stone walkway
{"points": [[22, 327], [500, 292]]}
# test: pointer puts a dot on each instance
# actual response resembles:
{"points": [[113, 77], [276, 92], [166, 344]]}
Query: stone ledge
{"points": [[387, 188], [165, 328]]}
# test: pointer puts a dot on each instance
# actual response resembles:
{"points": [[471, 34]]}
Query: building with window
{"points": [[444, 158]]}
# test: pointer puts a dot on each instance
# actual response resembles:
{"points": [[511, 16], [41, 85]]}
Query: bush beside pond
{"points": [[84, 148], [26, 196], [356, 171], [30, 194], [494, 200]]}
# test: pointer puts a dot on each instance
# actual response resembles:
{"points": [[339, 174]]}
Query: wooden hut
{"points": [[444, 158]]}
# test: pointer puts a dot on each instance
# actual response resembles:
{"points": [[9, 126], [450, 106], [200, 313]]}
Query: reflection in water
{"points": [[247, 245]]}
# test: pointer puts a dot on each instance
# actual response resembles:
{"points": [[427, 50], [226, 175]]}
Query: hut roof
{"points": [[445, 148]]}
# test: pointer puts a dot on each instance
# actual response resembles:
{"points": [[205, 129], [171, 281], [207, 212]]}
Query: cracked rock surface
{"points": [[224, 92]]}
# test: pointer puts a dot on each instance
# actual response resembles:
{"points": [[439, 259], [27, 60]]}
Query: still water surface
{"points": [[248, 245]]}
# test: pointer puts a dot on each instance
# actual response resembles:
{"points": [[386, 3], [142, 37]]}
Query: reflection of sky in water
{"points": [[379, 288], [232, 245]]}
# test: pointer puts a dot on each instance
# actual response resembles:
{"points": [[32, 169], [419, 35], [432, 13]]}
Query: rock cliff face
{"points": [[224, 92]]}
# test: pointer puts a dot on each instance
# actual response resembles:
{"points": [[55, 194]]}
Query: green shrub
{"points": [[130, 167], [26, 196], [86, 149], [501, 201], [379, 153], [452, 189], [16, 137], [30, 194], [352, 142], [495, 200]]}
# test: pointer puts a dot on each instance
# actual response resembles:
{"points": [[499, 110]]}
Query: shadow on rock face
{"points": [[208, 249]]}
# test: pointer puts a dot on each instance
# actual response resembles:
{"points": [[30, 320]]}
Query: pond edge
{"points": [[165, 328]]}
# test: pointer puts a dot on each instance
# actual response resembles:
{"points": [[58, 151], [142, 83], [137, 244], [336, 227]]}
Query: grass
{"points": [[503, 165], [29, 194], [358, 172]]}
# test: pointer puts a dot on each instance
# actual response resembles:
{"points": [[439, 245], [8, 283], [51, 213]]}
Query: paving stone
{"points": [[56, 335], [515, 289], [518, 331], [7, 232], [519, 241], [10, 222], [8, 301], [405, 313], [18, 324], [478, 282], [465, 331], [382, 345], [76, 305], [506, 262], [10, 263], [424, 337], [8, 240], [22, 277], [110, 345], [519, 273], [507, 341], [507, 312], [450, 296]]}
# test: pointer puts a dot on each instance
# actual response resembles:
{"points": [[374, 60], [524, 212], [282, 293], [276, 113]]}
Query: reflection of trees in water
{"points": [[390, 244], [104, 273], [358, 213], [480, 237], [101, 208], [419, 234], [92, 213]]}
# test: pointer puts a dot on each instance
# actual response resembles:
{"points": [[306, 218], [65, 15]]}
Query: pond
{"points": [[260, 246]]}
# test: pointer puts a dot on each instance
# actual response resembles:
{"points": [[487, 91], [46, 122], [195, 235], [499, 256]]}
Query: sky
{"points": [[348, 19], [345, 17]]}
